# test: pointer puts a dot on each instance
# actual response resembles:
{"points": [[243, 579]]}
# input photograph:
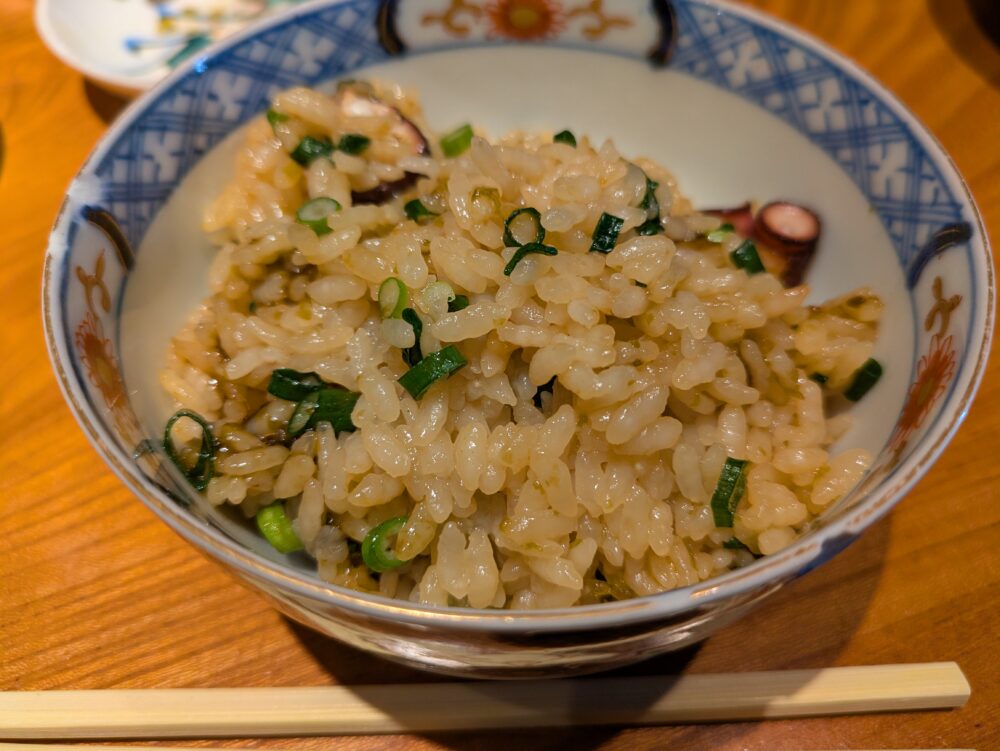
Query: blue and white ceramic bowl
{"points": [[736, 104]]}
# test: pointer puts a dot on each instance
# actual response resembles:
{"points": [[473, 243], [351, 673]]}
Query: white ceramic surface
{"points": [[128, 45]]}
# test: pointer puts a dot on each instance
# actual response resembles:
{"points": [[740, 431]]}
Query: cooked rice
{"points": [[603, 492]]}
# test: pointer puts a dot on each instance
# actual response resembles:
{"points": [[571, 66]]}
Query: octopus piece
{"points": [[788, 232], [786, 235]]}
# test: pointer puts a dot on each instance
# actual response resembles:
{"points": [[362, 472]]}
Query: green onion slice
{"points": [[413, 355], [314, 214], [565, 136], [745, 257], [302, 416], [431, 369], [353, 143], [728, 491], [416, 211], [392, 297], [820, 378], [606, 233], [293, 385], [376, 549], [310, 148], [649, 201], [335, 405], [204, 467], [531, 222], [650, 227], [525, 250], [720, 233], [457, 141], [459, 302], [332, 404], [274, 117], [734, 543], [864, 378], [274, 524]]}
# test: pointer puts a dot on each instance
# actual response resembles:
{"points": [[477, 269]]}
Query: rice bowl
{"points": [[131, 225]]}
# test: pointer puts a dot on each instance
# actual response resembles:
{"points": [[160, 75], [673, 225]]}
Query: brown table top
{"points": [[96, 593]]}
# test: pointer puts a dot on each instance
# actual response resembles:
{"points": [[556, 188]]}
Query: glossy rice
{"points": [[667, 359]]}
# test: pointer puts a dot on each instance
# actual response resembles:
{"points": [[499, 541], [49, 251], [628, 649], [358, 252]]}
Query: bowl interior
{"points": [[746, 110]]}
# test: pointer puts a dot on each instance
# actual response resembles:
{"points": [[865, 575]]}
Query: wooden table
{"points": [[95, 592]]}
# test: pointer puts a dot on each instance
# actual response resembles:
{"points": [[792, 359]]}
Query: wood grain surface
{"points": [[95, 592]]}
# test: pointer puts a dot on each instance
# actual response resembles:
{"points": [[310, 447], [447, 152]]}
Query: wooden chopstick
{"points": [[78, 747], [357, 710]]}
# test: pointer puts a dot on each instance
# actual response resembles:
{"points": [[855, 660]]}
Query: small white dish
{"points": [[129, 45]]}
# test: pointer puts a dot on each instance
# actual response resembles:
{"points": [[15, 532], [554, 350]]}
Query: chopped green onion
{"points": [[720, 233], [820, 378], [565, 136], [525, 250], [335, 405], [649, 201], [310, 148], [293, 385], [392, 297], [457, 141], [431, 369], [532, 217], [204, 467], [332, 404], [640, 284], [652, 224], [416, 211], [728, 491], [864, 378], [650, 227], [274, 117], [252, 307], [745, 257], [459, 302], [314, 214], [353, 143], [303, 414], [274, 524], [734, 543], [606, 233], [376, 550], [413, 355]]}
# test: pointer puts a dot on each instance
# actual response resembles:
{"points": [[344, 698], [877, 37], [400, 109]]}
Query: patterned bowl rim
{"points": [[800, 557]]}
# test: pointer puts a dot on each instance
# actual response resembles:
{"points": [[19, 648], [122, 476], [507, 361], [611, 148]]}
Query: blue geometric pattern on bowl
{"points": [[837, 113]]}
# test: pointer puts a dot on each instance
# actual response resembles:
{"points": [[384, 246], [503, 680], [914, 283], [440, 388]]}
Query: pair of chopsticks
{"points": [[338, 710]]}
